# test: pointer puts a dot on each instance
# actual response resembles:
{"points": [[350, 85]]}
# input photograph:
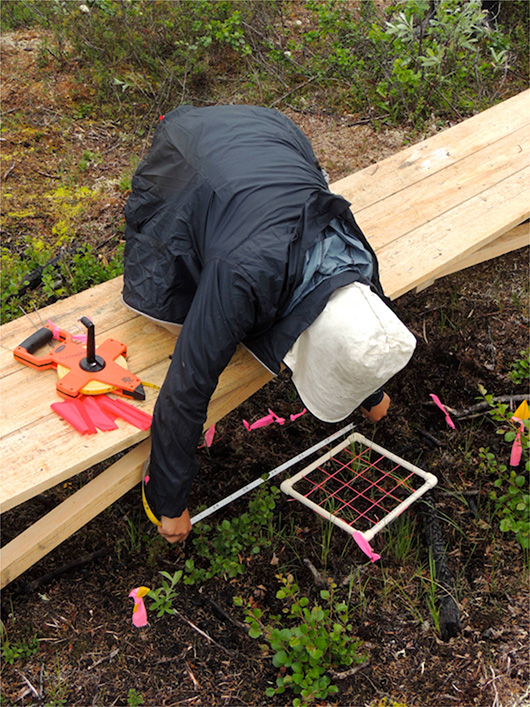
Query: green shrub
{"points": [[18, 650], [306, 642], [58, 277], [511, 496], [394, 63], [520, 369], [220, 550]]}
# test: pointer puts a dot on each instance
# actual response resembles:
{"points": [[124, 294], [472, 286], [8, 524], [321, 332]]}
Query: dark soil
{"points": [[470, 328]]}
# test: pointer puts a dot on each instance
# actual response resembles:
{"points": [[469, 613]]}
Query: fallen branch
{"points": [[428, 436], [449, 613], [192, 677], [320, 580], [36, 583], [33, 690], [348, 673], [475, 410], [108, 657], [204, 634], [178, 657], [223, 615], [8, 171]]}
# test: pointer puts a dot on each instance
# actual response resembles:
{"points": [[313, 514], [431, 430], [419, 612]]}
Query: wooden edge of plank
{"points": [[514, 239], [72, 514]]}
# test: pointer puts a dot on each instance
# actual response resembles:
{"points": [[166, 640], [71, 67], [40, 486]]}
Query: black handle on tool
{"points": [[24, 352], [36, 340], [91, 362]]}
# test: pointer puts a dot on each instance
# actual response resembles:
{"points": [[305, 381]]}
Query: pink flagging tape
{"points": [[209, 435], [265, 421], [73, 414], [76, 337], [363, 543], [517, 447], [439, 403], [139, 615], [89, 412]]}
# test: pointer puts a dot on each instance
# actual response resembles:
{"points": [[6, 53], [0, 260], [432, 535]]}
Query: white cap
{"points": [[351, 349]]}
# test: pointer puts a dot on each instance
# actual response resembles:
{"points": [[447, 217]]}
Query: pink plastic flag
{"points": [[363, 543], [209, 435], [517, 447], [298, 414], [265, 421], [440, 405], [100, 419], [71, 412], [139, 615], [119, 408], [89, 412]]}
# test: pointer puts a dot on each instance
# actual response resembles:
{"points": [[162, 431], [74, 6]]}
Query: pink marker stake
{"points": [[363, 543], [440, 405], [517, 448], [264, 421], [139, 616], [209, 435]]}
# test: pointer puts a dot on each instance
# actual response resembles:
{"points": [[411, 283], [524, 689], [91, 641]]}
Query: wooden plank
{"points": [[71, 515], [470, 170], [45, 451], [392, 218], [415, 163], [430, 250], [514, 239]]}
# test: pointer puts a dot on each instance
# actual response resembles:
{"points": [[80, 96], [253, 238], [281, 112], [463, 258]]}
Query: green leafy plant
{"points": [[520, 369], [220, 550], [18, 650], [393, 62], [440, 62], [163, 597], [511, 496], [134, 698], [307, 642], [60, 276]]}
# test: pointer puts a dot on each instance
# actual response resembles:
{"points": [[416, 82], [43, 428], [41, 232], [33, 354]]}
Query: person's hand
{"points": [[377, 412], [175, 530]]}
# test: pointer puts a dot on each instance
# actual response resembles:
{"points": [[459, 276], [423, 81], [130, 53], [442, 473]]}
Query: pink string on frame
{"points": [[361, 495]]}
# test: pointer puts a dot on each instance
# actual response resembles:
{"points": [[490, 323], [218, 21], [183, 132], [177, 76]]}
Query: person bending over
{"points": [[233, 233]]}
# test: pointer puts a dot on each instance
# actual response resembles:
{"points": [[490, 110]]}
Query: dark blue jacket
{"points": [[222, 212]]}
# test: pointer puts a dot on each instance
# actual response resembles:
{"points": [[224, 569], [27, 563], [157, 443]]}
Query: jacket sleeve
{"points": [[222, 313], [373, 399]]}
